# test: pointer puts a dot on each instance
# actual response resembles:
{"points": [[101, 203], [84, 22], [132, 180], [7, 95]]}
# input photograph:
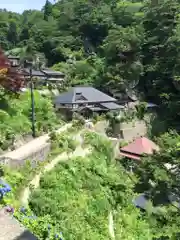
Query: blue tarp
{"points": [[140, 201]]}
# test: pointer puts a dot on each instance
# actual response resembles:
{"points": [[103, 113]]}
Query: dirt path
{"points": [[79, 152]]}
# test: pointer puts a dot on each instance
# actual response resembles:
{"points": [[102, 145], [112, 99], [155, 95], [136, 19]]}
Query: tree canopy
{"points": [[111, 45], [10, 79], [108, 44]]}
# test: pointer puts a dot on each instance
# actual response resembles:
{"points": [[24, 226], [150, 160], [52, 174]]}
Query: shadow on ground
{"points": [[26, 235]]}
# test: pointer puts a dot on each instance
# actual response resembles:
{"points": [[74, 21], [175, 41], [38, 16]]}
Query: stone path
{"points": [[32, 146], [11, 229]]}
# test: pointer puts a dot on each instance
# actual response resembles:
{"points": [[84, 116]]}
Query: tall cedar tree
{"points": [[47, 10]]}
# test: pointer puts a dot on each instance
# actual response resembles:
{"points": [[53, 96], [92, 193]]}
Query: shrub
{"points": [[95, 117], [141, 110], [79, 194], [15, 117], [78, 120], [109, 115]]}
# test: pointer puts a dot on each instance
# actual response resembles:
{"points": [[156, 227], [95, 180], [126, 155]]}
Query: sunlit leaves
{"points": [[15, 118], [79, 194]]}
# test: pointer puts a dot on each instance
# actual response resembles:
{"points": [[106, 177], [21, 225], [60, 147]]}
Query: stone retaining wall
{"points": [[126, 131], [36, 155], [35, 151], [132, 130]]}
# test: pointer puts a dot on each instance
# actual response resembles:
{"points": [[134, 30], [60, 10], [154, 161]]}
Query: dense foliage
{"points": [[15, 117], [77, 197], [10, 79], [159, 177], [109, 44], [112, 45]]}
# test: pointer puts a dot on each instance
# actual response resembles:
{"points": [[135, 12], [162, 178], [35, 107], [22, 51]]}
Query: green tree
{"points": [[123, 65], [24, 35], [47, 10], [159, 177], [159, 50], [12, 34]]}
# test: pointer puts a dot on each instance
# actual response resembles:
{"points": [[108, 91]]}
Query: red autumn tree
{"points": [[10, 78]]}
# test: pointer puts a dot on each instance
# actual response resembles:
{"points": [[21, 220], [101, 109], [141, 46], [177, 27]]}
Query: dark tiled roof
{"points": [[89, 94], [65, 97], [112, 106], [141, 201], [35, 73], [95, 109], [13, 57], [52, 72]]}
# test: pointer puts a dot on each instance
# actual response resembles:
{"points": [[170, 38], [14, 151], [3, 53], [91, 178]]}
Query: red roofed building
{"points": [[140, 146]]}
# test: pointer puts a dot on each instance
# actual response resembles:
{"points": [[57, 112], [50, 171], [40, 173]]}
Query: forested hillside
{"points": [[110, 44]]}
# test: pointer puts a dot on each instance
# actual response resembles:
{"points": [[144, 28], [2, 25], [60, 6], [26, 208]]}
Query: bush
{"points": [[78, 120], [78, 195], [141, 110], [53, 136], [15, 117], [72, 144], [95, 117], [109, 115], [62, 142]]}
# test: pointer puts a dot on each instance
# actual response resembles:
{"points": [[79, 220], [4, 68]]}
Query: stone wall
{"points": [[129, 131], [132, 130], [115, 144], [126, 131], [34, 151], [35, 155]]}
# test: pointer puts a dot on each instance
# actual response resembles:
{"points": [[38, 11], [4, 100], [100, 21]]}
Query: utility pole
{"points": [[32, 104]]}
